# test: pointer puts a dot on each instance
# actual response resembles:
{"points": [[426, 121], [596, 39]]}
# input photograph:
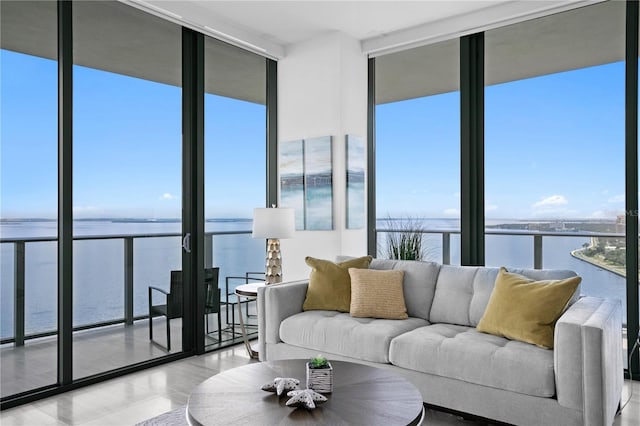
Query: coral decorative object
{"points": [[305, 398], [281, 384]]}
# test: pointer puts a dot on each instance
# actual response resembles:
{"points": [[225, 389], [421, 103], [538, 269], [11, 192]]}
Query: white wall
{"points": [[322, 91]]}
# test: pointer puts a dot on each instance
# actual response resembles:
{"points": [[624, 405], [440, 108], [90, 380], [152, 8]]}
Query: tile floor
{"points": [[98, 350], [131, 399]]}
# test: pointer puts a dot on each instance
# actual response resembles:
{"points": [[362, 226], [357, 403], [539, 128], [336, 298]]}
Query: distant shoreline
{"points": [[578, 254]]}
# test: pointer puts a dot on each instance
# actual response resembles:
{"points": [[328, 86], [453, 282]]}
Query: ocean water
{"points": [[98, 275], [99, 265], [516, 251]]}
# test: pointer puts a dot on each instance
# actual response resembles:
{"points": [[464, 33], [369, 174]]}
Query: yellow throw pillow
{"points": [[377, 294], [330, 285], [523, 309]]}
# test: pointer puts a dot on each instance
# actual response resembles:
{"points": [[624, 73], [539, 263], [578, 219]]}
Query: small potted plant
{"points": [[320, 375]]}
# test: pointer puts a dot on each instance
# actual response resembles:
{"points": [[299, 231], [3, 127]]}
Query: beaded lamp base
{"points": [[273, 272]]}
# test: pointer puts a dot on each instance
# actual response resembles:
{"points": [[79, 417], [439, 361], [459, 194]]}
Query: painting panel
{"points": [[318, 184], [292, 179], [355, 182]]}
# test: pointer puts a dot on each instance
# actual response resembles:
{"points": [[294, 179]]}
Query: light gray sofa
{"points": [[438, 349]]}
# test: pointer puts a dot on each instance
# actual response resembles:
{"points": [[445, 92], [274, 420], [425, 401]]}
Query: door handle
{"points": [[186, 242]]}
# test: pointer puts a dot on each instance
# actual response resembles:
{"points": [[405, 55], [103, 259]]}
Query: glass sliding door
{"points": [[555, 146], [28, 196], [418, 151], [633, 303], [555, 143], [235, 181], [127, 191]]}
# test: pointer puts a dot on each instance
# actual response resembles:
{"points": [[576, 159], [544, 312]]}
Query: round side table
{"points": [[248, 292]]}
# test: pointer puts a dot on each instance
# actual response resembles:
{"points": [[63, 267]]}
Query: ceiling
{"points": [[114, 37], [578, 38], [270, 26], [290, 22]]}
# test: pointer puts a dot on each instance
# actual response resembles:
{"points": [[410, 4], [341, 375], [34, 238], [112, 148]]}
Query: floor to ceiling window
{"points": [[235, 176], [418, 151], [632, 213], [554, 145], [29, 195], [131, 175], [127, 148]]}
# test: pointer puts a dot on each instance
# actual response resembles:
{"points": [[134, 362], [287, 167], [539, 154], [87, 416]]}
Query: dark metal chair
{"points": [[172, 308], [212, 299]]}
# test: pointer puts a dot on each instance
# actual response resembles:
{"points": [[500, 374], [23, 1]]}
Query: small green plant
{"points": [[318, 361], [405, 240]]}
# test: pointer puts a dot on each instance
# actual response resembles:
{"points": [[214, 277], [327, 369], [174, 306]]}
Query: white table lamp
{"points": [[273, 224]]}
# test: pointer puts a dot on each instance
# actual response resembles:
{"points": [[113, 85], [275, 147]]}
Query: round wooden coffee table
{"points": [[362, 395]]}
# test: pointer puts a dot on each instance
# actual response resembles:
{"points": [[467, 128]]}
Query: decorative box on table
{"points": [[320, 379]]}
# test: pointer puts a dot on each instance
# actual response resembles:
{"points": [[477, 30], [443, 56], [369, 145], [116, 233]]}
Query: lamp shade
{"points": [[273, 223]]}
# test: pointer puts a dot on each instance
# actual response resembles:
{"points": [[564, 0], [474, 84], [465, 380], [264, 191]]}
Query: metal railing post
{"points": [[446, 248], [537, 252], [18, 282], [128, 281]]}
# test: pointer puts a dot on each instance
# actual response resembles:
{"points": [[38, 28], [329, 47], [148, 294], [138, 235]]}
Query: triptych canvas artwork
{"points": [[306, 181]]}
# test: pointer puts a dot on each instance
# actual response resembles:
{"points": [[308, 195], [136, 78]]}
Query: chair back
{"points": [[212, 292], [174, 299]]}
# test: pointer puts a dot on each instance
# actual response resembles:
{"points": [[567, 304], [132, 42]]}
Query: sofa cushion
{"points": [[462, 292], [527, 310], [377, 294], [462, 353], [419, 283], [330, 284], [331, 332], [454, 290]]}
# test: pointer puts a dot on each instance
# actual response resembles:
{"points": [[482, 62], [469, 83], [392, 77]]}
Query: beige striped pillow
{"points": [[377, 294]]}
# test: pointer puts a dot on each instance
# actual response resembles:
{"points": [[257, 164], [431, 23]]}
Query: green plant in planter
{"points": [[405, 241], [318, 362]]}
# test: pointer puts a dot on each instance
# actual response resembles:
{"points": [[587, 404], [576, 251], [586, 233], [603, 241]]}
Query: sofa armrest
{"points": [[275, 303], [588, 359]]}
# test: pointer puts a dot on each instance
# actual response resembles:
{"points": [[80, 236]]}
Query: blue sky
{"points": [[554, 147], [127, 146]]}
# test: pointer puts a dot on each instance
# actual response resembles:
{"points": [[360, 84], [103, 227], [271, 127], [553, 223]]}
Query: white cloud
{"points": [[551, 202], [167, 196], [451, 212], [554, 206], [490, 207], [616, 199]]}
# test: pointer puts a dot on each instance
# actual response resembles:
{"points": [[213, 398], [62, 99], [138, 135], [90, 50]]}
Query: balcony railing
{"points": [[19, 269], [19, 245], [537, 239]]}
